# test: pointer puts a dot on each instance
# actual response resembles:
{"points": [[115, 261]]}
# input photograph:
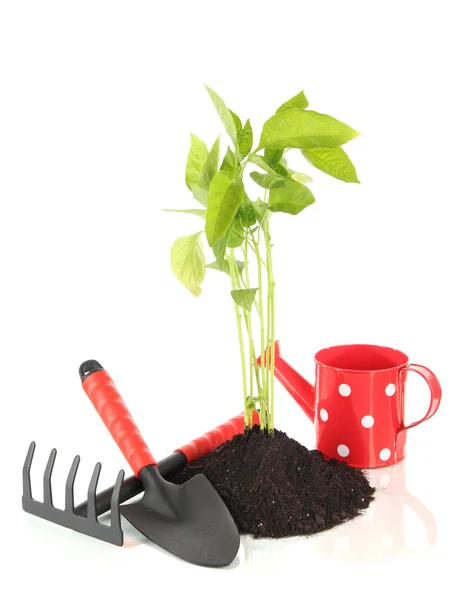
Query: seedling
{"points": [[237, 229]]}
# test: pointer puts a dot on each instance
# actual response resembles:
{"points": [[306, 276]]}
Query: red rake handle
{"points": [[209, 441], [104, 396]]}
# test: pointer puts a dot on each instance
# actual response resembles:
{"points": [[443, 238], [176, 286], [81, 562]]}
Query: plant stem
{"points": [[254, 248], [268, 340], [234, 274], [253, 355], [248, 322], [248, 325], [261, 316], [270, 328]]}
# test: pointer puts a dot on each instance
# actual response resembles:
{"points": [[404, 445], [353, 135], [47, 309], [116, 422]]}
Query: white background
{"points": [[97, 100]]}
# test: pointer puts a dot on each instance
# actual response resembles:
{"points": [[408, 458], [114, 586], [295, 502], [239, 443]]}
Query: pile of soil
{"points": [[275, 487]]}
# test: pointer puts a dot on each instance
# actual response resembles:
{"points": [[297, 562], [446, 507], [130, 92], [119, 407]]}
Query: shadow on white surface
{"points": [[397, 524]]}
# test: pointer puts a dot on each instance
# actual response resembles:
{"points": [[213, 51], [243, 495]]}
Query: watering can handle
{"points": [[435, 398]]}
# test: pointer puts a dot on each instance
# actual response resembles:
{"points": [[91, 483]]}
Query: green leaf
{"points": [[252, 401], [261, 162], [199, 212], [236, 236], [244, 298], [229, 161], [199, 194], [245, 139], [264, 180], [246, 212], [272, 157], [233, 238], [225, 196], [261, 209], [298, 101], [210, 168], [196, 159], [237, 122], [187, 259], [289, 196], [275, 172], [226, 268], [334, 162], [224, 114], [300, 177], [280, 170], [296, 128], [219, 249]]}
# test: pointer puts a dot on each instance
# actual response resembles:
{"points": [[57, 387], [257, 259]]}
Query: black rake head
{"points": [[84, 521]]}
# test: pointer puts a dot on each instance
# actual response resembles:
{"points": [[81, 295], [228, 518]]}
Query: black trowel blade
{"points": [[190, 520]]}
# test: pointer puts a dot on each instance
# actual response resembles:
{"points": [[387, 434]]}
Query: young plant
{"points": [[237, 229]]}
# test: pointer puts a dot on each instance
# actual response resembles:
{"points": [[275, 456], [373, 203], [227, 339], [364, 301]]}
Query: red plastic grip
{"points": [[209, 441], [104, 396]]}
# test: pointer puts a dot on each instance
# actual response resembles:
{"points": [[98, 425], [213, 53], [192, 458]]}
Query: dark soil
{"points": [[275, 487]]}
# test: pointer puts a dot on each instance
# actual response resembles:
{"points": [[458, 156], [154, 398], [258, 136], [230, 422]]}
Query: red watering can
{"points": [[357, 402]]}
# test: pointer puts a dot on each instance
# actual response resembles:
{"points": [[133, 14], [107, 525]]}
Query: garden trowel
{"points": [[189, 520]]}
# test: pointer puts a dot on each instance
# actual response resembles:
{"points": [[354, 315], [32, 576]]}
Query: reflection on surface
{"points": [[395, 524], [259, 553]]}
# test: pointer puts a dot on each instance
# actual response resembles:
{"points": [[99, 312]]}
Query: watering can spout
{"points": [[298, 387]]}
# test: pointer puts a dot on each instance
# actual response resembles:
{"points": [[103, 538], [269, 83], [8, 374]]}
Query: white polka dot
{"points": [[343, 450], [390, 389], [323, 414], [344, 389], [385, 454], [367, 421]]}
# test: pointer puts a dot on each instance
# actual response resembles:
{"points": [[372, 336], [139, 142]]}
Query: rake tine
{"points": [[70, 485], [85, 520], [47, 495], [26, 485], [115, 511], [91, 501]]}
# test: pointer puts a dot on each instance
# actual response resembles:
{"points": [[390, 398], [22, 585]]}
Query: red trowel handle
{"points": [[173, 463], [104, 396]]}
